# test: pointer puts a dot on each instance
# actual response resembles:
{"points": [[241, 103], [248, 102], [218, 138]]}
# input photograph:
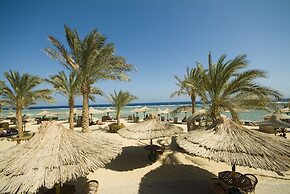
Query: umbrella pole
{"points": [[57, 189], [234, 171]]}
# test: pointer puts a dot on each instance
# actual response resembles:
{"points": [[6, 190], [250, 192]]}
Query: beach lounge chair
{"points": [[79, 121], [92, 187], [175, 120], [106, 118], [130, 117], [254, 182], [136, 119]]}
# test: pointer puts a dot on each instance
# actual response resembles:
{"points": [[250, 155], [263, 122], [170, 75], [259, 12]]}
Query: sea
{"points": [[62, 111]]}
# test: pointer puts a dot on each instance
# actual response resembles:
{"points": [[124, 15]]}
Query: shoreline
{"points": [[131, 173]]}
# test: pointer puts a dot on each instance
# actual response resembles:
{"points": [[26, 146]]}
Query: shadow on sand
{"points": [[176, 178], [131, 158], [79, 186]]}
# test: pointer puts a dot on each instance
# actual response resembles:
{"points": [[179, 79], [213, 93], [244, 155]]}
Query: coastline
{"points": [[174, 172]]}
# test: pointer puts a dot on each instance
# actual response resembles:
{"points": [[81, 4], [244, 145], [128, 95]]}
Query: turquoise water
{"points": [[62, 113]]}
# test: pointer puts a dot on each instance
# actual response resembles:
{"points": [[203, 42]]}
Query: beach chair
{"points": [[92, 187], [175, 120], [254, 181], [130, 117], [79, 121], [106, 118], [136, 119]]}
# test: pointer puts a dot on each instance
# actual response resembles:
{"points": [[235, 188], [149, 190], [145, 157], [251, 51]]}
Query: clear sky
{"points": [[160, 37]]}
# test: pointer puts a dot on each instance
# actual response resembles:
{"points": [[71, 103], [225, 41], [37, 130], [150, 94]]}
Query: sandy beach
{"points": [[174, 172]]}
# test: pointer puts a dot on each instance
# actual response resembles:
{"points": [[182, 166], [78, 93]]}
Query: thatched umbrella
{"points": [[197, 115], [231, 143], [149, 129], [280, 116], [45, 113], [285, 110], [108, 110], [78, 111], [55, 155], [275, 121], [95, 111]]}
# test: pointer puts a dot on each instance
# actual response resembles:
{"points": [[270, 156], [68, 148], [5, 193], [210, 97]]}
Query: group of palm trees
{"points": [[226, 86], [222, 86], [86, 60]]}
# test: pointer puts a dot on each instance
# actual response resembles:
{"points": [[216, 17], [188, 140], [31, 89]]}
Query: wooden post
{"points": [[57, 188], [234, 171]]}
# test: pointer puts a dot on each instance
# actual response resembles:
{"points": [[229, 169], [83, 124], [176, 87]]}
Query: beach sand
{"points": [[174, 172]]}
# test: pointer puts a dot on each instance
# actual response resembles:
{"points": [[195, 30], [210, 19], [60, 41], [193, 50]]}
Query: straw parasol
{"points": [[231, 143], [191, 119], [197, 115], [95, 111], [159, 111], [149, 129], [108, 110], [78, 111], [280, 116], [45, 113], [285, 110], [55, 155], [166, 111], [275, 121], [135, 110]]}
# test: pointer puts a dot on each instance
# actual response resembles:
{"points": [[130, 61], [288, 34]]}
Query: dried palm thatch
{"points": [[149, 129], [231, 143], [53, 156], [197, 115], [277, 115], [274, 121]]}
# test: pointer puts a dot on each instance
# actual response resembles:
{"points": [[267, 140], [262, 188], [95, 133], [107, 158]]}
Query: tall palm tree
{"points": [[191, 84], [229, 87], [2, 84], [22, 93], [92, 58], [67, 87], [119, 100]]}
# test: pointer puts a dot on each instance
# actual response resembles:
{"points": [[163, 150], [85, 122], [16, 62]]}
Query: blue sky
{"points": [[160, 37]]}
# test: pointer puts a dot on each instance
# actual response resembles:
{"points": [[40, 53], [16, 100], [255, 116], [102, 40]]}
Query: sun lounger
{"points": [[254, 182]]}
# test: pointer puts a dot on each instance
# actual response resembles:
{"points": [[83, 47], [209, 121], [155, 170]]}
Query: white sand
{"points": [[174, 172]]}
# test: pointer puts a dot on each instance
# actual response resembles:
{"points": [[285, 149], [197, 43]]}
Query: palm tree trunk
{"points": [[19, 121], [85, 112], [193, 99], [118, 117], [71, 113]]}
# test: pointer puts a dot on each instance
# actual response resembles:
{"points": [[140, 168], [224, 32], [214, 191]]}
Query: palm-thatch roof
{"points": [[53, 156], [198, 114], [231, 143], [45, 113], [274, 121], [95, 111], [280, 116], [149, 129]]}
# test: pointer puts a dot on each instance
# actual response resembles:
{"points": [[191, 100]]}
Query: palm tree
{"points": [[92, 58], [230, 88], [191, 84], [2, 84], [119, 100], [22, 93], [67, 87]]}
